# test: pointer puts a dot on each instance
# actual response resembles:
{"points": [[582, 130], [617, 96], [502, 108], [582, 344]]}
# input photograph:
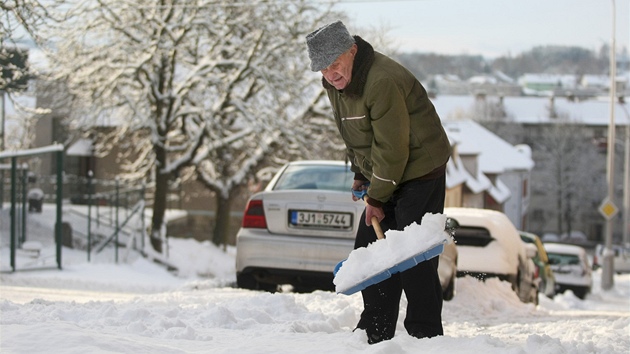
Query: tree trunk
{"points": [[569, 213], [159, 200], [222, 220], [559, 202]]}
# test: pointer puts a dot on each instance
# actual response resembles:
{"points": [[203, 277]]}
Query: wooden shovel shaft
{"points": [[376, 225], [377, 228]]}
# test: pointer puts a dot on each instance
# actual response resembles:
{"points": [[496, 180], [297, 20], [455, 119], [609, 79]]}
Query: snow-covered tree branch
{"points": [[216, 86]]}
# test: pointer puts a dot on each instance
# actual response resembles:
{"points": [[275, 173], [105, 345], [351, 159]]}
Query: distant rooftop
{"points": [[532, 110]]}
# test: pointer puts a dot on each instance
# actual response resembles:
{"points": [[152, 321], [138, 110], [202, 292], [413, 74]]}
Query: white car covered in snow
{"points": [[489, 245], [570, 267]]}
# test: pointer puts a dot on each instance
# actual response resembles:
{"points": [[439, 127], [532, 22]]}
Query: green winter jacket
{"points": [[391, 129]]}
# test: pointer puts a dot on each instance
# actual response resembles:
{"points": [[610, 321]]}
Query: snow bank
{"points": [[139, 307]]}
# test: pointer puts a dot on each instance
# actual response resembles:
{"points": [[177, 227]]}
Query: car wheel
{"points": [[534, 299], [303, 289], [247, 281], [449, 292], [580, 293]]}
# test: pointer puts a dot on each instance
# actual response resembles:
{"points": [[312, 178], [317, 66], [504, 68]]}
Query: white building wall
{"points": [[516, 207]]}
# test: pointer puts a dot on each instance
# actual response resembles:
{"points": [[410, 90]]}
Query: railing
{"points": [[99, 214], [113, 216]]}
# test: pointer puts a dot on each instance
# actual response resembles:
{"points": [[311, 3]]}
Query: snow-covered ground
{"points": [[136, 306]]}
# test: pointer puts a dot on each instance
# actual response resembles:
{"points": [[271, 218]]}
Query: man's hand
{"points": [[359, 185], [371, 211]]}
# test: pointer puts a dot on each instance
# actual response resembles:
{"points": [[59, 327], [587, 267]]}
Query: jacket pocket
{"points": [[357, 131]]}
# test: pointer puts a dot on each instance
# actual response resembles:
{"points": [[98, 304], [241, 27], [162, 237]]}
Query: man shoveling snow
{"points": [[395, 143]]}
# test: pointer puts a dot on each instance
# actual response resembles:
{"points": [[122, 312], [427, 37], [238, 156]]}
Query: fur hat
{"points": [[327, 43]]}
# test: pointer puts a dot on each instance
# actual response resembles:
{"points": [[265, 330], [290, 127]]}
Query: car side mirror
{"points": [[451, 225], [530, 250]]}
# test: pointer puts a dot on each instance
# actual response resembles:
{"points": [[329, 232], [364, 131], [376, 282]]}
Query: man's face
{"points": [[339, 73]]}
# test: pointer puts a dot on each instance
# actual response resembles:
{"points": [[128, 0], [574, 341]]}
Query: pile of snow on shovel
{"points": [[397, 246]]}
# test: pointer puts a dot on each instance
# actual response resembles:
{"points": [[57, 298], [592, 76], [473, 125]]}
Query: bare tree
{"points": [[17, 19], [21, 26], [566, 171], [196, 89], [27, 16]]}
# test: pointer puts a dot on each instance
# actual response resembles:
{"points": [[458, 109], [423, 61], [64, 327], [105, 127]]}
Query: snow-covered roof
{"points": [[595, 80], [564, 80], [495, 155], [503, 77], [30, 152], [533, 110], [500, 192], [477, 183], [82, 147], [447, 77], [455, 172], [482, 79]]}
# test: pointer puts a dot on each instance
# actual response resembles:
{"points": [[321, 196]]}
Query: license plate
{"points": [[309, 218]]}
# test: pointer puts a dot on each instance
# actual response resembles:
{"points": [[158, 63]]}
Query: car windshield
{"points": [[563, 259], [321, 177]]}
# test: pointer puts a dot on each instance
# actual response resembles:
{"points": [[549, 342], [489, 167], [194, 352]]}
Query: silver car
{"points": [[570, 266], [303, 224]]}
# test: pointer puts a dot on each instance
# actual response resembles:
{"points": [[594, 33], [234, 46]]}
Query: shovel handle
{"points": [[375, 224], [377, 228]]}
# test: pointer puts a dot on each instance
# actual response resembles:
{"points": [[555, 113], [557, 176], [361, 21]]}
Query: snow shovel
{"points": [[408, 263]]}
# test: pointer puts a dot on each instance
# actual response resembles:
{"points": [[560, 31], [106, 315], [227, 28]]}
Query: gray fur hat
{"points": [[327, 43]]}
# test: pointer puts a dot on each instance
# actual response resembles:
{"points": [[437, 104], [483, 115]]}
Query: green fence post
{"points": [[59, 205], [117, 229], [89, 220], [24, 185], [98, 215], [12, 213], [144, 205]]}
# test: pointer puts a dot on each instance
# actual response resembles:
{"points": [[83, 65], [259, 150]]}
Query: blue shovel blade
{"points": [[400, 267]]}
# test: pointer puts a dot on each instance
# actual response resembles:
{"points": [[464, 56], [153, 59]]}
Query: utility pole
{"points": [[608, 207], [2, 105], [626, 183], [626, 180], [2, 110], [626, 187]]}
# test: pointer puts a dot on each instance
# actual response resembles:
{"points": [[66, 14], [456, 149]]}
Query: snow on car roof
{"points": [[501, 229], [495, 221], [564, 248]]}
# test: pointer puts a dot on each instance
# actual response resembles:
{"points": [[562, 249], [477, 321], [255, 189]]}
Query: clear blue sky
{"points": [[492, 27]]}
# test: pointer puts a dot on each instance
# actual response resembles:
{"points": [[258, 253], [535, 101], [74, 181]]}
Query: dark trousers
{"points": [[421, 283]]}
